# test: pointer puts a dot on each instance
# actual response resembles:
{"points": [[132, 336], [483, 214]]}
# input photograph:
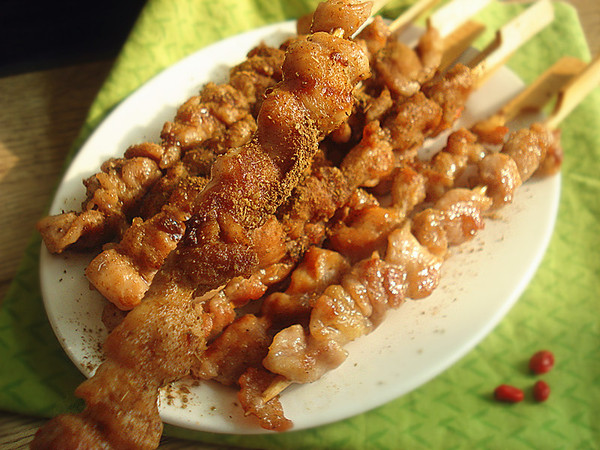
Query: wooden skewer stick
{"points": [[574, 92], [451, 21], [411, 14], [546, 87], [510, 37], [457, 42], [454, 14], [376, 6], [484, 66], [277, 386]]}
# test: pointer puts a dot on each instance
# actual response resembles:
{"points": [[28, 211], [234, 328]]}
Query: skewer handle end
{"points": [[574, 92], [510, 37]]}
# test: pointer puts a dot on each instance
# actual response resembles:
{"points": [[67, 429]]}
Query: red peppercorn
{"points": [[541, 362], [507, 393], [541, 391]]}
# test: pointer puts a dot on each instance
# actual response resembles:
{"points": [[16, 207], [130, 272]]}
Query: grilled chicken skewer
{"points": [[207, 363], [114, 193], [123, 272], [526, 149], [220, 116], [351, 167], [156, 342]]}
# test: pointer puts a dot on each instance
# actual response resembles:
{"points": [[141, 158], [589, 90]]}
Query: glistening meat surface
{"points": [[164, 333]]}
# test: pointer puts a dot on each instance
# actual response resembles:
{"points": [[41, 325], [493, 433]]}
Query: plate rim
{"points": [[464, 349]]}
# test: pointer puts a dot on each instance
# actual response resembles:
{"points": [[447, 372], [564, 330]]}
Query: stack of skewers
{"points": [[315, 218]]}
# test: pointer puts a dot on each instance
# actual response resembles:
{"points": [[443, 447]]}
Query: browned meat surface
{"points": [[153, 344], [410, 122], [339, 315], [528, 147], [270, 414], [552, 162], [261, 70], [247, 183], [159, 339], [348, 15], [445, 167], [364, 231], [470, 159], [243, 344], [112, 195], [358, 303], [200, 252], [65, 230], [371, 159], [491, 130], [453, 219], [374, 36], [206, 116], [318, 268], [450, 92], [400, 68], [212, 122], [123, 273], [121, 183], [70, 431], [500, 174]]}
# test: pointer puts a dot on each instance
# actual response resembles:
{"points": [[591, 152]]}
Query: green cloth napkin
{"points": [[560, 309]]}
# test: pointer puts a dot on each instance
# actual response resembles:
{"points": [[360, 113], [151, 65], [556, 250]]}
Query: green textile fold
{"points": [[560, 309]]}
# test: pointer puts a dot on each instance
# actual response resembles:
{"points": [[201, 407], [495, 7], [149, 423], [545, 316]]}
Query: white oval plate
{"points": [[481, 280]]}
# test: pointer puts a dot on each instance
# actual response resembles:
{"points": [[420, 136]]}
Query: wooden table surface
{"points": [[41, 115]]}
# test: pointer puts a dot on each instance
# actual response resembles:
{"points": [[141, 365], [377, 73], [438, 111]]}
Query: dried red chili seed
{"points": [[541, 391], [541, 362], [507, 393]]}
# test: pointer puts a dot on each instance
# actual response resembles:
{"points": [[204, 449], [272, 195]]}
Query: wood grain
{"points": [[41, 115]]}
